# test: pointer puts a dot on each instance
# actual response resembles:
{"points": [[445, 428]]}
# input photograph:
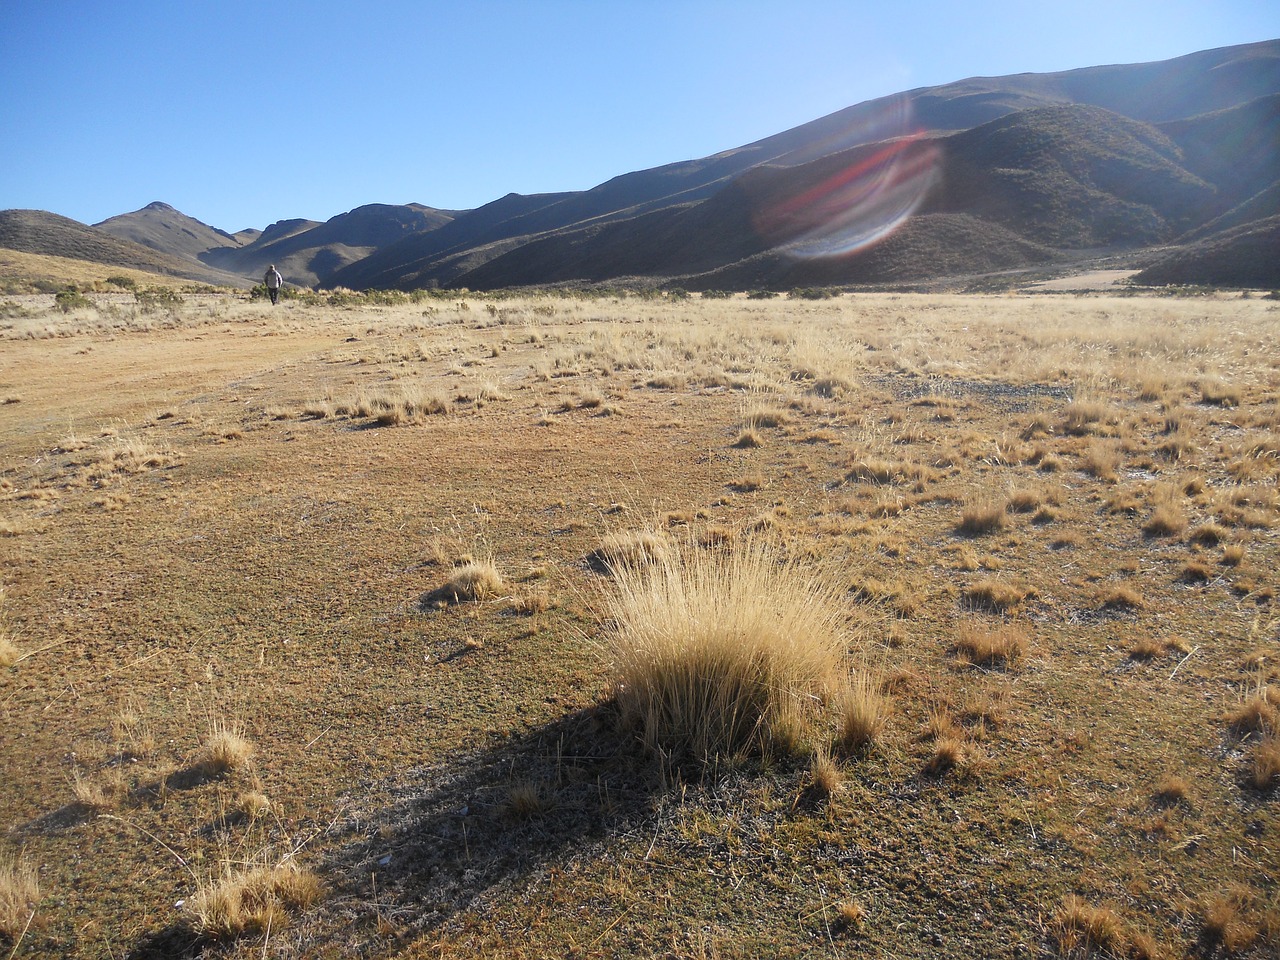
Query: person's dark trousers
{"points": [[275, 294]]}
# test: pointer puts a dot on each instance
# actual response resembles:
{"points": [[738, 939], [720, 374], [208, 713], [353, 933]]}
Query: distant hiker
{"points": [[273, 280]]}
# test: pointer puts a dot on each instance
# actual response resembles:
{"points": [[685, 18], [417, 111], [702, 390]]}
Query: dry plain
{"points": [[1052, 520]]}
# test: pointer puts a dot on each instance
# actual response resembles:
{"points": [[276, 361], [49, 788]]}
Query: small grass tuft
{"points": [[629, 548], [474, 580], [1002, 646], [250, 902], [995, 596], [979, 519], [1265, 763], [825, 775], [225, 749], [1080, 926], [526, 800], [863, 712]]}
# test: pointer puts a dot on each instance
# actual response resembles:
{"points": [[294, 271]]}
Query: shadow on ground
{"points": [[458, 832]]}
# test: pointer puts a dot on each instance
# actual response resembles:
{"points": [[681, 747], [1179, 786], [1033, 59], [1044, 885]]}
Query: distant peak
{"points": [[158, 205]]}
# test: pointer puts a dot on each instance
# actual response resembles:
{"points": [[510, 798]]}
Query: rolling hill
{"points": [[1030, 168], [47, 234], [984, 175]]}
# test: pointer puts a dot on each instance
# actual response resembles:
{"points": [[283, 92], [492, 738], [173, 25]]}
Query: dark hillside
{"points": [[389, 267], [1244, 256], [1237, 149], [308, 256], [1073, 177], [999, 197]]}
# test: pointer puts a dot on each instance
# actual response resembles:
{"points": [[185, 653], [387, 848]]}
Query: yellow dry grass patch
{"points": [[718, 652], [19, 894], [239, 903]]}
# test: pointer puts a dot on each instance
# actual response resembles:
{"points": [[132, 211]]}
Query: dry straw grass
{"points": [[721, 652], [1003, 645], [475, 580], [862, 713], [1088, 930], [630, 548], [19, 894], [225, 749], [240, 903]]}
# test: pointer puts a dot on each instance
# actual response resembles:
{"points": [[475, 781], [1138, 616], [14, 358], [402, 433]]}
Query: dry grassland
{"points": [[316, 625]]}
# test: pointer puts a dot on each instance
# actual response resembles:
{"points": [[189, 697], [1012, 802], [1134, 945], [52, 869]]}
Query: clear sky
{"points": [[240, 114]]}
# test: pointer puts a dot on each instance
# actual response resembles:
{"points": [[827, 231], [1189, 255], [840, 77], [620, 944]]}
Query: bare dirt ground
{"points": [[1090, 280], [227, 517]]}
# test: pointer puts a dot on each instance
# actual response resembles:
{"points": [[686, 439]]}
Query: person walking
{"points": [[274, 281]]}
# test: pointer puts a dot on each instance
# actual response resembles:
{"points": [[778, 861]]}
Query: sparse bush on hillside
{"points": [[71, 299], [151, 299], [287, 292], [124, 283]]}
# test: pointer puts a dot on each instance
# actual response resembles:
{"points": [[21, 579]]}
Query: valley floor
{"points": [[224, 518]]}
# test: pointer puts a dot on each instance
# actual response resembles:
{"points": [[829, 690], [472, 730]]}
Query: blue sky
{"points": [[242, 114]]}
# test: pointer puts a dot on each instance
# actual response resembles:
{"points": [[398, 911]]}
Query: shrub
{"points": [[151, 299], [721, 652], [71, 299]]}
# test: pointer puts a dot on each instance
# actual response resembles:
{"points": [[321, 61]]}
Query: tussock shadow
{"points": [[459, 831], [170, 943]]}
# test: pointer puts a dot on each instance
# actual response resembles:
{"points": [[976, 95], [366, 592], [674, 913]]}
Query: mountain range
{"points": [[1172, 167]]}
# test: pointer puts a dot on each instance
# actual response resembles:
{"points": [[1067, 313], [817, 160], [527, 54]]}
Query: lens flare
{"points": [[873, 190]]}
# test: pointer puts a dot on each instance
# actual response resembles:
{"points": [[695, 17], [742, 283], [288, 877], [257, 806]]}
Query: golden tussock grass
{"points": [[1255, 714], [1003, 645], [996, 596], [1090, 930], [862, 713], [473, 580], [1153, 648], [851, 914], [1265, 761], [981, 518], [718, 652], [526, 800], [225, 749], [1170, 790], [630, 548], [239, 903], [1226, 924], [9, 652], [19, 895], [825, 774], [1120, 597], [1166, 520]]}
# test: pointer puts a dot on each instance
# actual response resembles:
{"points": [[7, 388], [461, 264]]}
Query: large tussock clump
{"points": [[725, 652]]}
